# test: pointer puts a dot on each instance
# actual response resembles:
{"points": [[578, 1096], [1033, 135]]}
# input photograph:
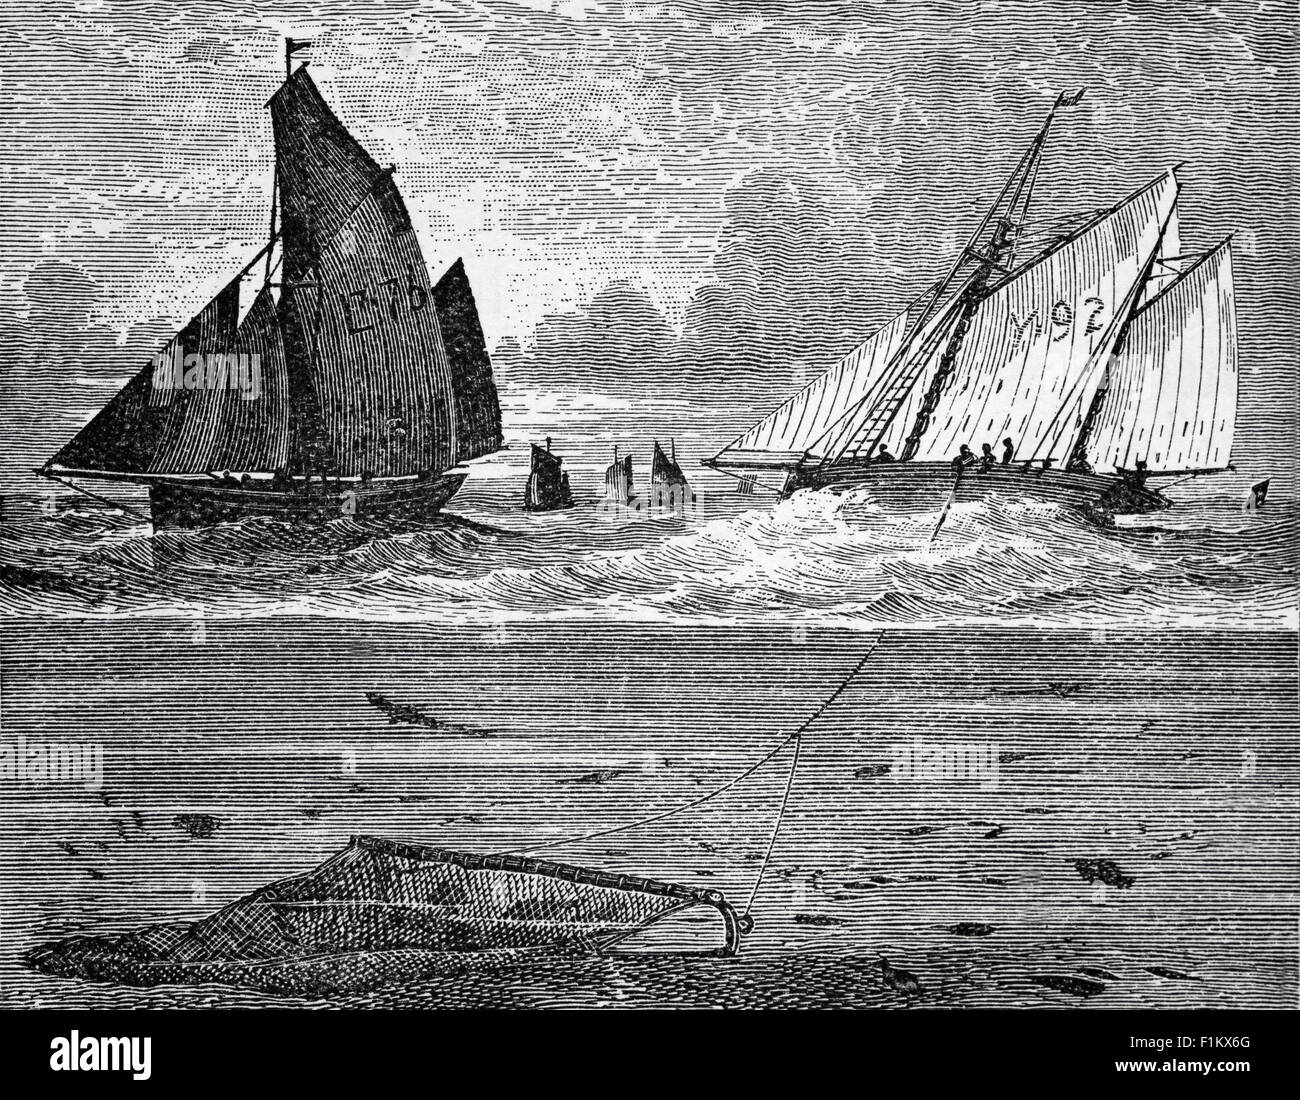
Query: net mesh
{"points": [[372, 898]]}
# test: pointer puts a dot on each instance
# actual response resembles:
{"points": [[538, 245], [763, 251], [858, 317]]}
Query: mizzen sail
{"points": [[478, 411]]}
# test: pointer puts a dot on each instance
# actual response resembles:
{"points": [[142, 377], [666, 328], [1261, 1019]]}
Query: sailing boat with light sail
{"points": [[1072, 374]]}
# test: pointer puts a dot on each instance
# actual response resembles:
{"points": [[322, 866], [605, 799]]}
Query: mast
{"points": [[1019, 188], [864, 425], [275, 182]]}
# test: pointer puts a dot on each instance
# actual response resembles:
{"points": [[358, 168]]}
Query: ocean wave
{"points": [[814, 557]]}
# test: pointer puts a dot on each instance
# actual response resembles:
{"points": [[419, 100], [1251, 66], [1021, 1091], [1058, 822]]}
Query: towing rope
{"points": [[795, 737]]}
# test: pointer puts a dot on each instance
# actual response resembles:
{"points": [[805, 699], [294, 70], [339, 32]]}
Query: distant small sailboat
{"points": [[668, 485], [548, 485], [618, 480]]}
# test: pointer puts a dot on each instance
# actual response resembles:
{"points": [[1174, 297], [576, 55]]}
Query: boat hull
{"points": [[917, 487], [196, 504]]}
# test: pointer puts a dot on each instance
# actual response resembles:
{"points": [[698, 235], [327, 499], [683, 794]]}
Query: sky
{"points": [[713, 200]]}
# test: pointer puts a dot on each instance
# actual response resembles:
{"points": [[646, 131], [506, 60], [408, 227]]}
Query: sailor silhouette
{"points": [[1137, 477]]}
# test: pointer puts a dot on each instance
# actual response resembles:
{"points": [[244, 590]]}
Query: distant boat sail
{"points": [[548, 485], [669, 488], [1071, 375], [618, 479], [357, 391], [664, 469]]}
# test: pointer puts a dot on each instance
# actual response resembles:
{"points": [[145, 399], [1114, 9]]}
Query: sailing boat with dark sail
{"points": [[669, 488], [351, 386], [1071, 373], [618, 480], [548, 485]]}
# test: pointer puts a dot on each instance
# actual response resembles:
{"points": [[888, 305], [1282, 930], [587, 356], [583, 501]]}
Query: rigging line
{"points": [[654, 818], [95, 496], [929, 346], [776, 826], [275, 189], [660, 816], [947, 507]]}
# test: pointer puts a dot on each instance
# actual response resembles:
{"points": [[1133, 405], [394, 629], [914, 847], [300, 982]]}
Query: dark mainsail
{"points": [[370, 382], [361, 369]]}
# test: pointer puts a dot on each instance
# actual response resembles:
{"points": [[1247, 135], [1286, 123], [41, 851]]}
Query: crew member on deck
{"points": [[1008, 451], [986, 462], [1137, 477], [884, 455], [965, 457]]}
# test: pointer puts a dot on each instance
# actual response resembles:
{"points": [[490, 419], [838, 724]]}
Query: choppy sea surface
{"points": [[1171, 754], [730, 559]]}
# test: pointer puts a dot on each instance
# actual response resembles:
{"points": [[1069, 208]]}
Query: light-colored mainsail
{"points": [[1036, 347], [787, 433], [1171, 399]]}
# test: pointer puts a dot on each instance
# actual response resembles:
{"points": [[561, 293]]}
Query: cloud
{"points": [[798, 279]]}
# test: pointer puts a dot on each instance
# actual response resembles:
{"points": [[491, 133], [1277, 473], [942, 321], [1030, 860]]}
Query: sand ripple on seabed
{"points": [[816, 555]]}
